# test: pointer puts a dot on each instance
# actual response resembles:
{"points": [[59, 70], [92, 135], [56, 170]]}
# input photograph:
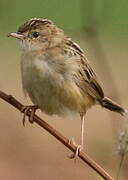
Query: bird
{"points": [[57, 75]]}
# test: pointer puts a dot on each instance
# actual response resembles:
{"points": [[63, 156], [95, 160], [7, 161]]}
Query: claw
{"points": [[25, 110], [78, 149]]}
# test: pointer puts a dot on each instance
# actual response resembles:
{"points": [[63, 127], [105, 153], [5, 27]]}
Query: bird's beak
{"points": [[16, 35]]}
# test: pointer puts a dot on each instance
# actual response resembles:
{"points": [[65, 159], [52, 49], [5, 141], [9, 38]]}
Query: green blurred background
{"points": [[101, 29]]}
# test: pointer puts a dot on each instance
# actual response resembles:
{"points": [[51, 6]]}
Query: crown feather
{"points": [[33, 23]]}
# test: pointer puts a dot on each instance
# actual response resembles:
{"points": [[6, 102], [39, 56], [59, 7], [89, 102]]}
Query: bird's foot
{"points": [[32, 109], [78, 149]]}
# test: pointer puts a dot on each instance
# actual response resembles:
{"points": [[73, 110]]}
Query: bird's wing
{"points": [[86, 78], [89, 81]]}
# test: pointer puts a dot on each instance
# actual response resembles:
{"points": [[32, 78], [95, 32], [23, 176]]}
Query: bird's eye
{"points": [[34, 34]]}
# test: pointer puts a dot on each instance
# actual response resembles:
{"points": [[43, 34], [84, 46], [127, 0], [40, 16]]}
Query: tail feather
{"points": [[112, 106]]}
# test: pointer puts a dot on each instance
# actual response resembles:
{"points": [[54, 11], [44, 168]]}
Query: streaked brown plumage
{"points": [[56, 73]]}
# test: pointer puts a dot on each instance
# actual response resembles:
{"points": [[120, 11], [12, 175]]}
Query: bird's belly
{"points": [[52, 92], [51, 104]]}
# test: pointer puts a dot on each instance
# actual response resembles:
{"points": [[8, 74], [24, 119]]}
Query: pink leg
{"points": [[82, 115], [79, 147]]}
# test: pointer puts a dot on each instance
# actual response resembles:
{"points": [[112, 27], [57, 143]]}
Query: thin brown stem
{"points": [[15, 103]]}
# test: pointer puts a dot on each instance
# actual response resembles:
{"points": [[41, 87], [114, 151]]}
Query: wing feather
{"points": [[86, 78]]}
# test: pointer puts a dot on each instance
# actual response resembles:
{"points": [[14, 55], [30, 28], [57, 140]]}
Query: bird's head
{"points": [[38, 34]]}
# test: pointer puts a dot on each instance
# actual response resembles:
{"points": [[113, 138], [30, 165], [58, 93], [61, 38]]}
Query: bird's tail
{"points": [[112, 106]]}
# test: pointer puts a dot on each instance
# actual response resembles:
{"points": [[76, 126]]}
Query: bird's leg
{"points": [[32, 109], [78, 147], [82, 115]]}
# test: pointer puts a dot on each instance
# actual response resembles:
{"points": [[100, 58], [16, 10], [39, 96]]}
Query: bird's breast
{"points": [[54, 92]]}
